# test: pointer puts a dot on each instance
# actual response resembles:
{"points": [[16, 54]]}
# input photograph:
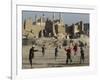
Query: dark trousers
{"points": [[43, 53], [55, 55], [30, 60], [68, 58], [82, 58]]}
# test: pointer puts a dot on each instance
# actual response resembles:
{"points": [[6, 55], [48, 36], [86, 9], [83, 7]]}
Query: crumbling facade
{"points": [[43, 28]]}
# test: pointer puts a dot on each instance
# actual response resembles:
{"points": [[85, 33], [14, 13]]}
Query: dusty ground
{"points": [[48, 60]]}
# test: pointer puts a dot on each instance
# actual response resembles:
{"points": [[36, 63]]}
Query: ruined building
{"points": [[75, 30], [42, 27]]}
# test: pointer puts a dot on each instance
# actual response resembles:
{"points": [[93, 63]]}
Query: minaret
{"points": [[82, 26], [54, 25], [53, 17], [60, 18], [35, 18], [43, 18], [41, 25]]}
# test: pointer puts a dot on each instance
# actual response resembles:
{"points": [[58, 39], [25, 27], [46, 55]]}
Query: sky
{"points": [[68, 18]]}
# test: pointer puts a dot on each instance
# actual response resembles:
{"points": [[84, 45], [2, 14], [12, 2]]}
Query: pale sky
{"points": [[69, 18]]}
